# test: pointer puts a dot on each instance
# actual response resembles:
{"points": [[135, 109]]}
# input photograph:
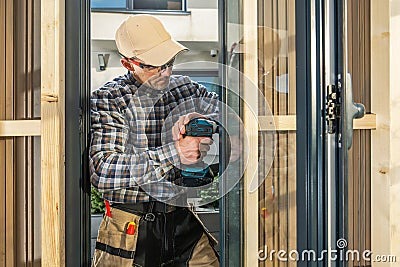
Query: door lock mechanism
{"points": [[332, 111]]}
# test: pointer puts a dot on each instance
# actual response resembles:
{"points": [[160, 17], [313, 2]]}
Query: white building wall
{"points": [[197, 30], [201, 25]]}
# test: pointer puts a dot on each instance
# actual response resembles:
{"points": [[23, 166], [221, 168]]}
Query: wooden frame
{"points": [[385, 153], [52, 132], [7, 170], [288, 123], [292, 160], [380, 147], [278, 123], [250, 68], [18, 244], [10, 128], [2, 142], [359, 156]]}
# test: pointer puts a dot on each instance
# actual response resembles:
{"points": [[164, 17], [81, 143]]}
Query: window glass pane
{"points": [[108, 3], [158, 4], [275, 59], [211, 83], [276, 80]]}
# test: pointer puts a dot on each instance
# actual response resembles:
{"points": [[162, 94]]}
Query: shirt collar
{"points": [[144, 88]]}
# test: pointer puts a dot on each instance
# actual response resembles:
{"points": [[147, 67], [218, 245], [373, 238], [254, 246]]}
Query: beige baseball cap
{"points": [[145, 37]]}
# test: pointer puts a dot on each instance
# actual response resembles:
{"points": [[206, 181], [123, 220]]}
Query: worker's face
{"points": [[152, 76]]}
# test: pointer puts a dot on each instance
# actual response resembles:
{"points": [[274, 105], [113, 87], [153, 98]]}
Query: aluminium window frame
{"points": [[77, 94], [310, 182]]}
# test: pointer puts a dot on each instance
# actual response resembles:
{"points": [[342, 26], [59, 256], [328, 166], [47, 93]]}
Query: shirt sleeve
{"points": [[110, 166]]}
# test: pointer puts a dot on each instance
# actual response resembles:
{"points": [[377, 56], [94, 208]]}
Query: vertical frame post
{"points": [[310, 187], [77, 84], [52, 132]]}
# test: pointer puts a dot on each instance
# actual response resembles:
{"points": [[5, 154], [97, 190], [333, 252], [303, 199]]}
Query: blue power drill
{"points": [[198, 174]]}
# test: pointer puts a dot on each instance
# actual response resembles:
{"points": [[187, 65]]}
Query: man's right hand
{"points": [[192, 149]]}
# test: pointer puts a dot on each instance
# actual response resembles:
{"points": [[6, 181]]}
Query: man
{"points": [[138, 143]]}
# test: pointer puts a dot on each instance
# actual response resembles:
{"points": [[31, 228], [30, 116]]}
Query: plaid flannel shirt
{"points": [[132, 154]]}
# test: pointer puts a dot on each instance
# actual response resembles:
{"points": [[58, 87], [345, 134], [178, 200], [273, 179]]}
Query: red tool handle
{"points": [[108, 210], [130, 230]]}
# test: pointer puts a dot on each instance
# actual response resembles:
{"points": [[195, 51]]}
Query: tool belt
{"points": [[153, 206], [146, 207], [153, 238]]}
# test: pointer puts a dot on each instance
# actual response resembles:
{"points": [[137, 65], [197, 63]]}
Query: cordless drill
{"points": [[200, 173]]}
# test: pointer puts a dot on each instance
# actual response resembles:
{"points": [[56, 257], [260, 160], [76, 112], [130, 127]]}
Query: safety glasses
{"points": [[169, 64]]}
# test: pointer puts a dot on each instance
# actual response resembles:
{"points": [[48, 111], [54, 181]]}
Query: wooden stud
{"points": [[10, 203], [266, 38], [366, 123], [288, 123], [292, 204], [2, 202], [2, 142], [380, 141], [282, 108], [9, 146], [367, 102], [261, 190], [52, 132], [351, 181], [19, 128], [250, 199]]}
